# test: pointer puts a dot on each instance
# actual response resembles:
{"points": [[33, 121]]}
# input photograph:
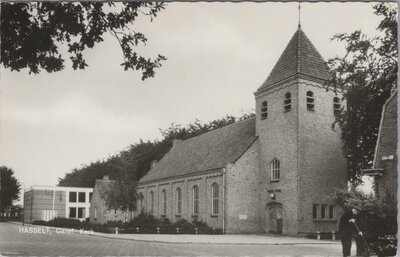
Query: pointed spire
{"points": [[299, 59]]}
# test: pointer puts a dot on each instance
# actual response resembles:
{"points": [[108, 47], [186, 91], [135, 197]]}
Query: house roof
{"points": [[300, 57], [393, 96], [211, 150]]}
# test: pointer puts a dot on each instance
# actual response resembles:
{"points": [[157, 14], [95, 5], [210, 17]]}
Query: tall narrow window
{"points": [[178, 196], [336, 105], [310, 101], [215, 199], [195, 193], [275, 170], [316, 208], [151, 204], [287, 103], [331, 212], [264, 110], [324, 211], [164, 202]]}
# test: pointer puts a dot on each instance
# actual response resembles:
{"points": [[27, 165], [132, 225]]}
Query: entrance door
{"points": [[276, 219]]}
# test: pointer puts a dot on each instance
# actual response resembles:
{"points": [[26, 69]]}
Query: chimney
{"points": [[105, 177], [153, 164], [175, 141]]}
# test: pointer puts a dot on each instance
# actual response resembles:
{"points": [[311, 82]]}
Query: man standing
{"points": [[348, 230]]}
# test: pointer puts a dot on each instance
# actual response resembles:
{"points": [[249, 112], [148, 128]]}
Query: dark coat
{"points": [[346, 228]]}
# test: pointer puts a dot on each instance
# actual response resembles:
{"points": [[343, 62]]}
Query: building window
{"points": [[310, 101], [81, 197], [287, 103], [81, 213], [215, 199], [95, 213], [164, 202], [195, 193], [151, 202], [178, 195], [264, 110], [72, 197], [336, 105], [331, 212], [315, 212], [275, 170], [72, 212], [324, 211]]}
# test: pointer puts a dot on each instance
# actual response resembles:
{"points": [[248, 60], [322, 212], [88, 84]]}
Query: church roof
{"points": [[300, 57], [209, 151]]}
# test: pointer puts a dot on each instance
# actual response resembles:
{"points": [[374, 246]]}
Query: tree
{"points": [[368, 75], [32, 32], [10, 187]]}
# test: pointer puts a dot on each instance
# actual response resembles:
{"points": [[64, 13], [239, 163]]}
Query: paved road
{"points": [[13, 243]]}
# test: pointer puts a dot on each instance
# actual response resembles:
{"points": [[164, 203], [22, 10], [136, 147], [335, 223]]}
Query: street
{"points": [[15, 243]]}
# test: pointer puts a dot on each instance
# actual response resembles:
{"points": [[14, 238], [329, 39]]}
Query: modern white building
{"points": [[49, 202]]}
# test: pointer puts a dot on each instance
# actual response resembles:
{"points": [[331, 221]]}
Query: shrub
{"points": [[378, 218]]}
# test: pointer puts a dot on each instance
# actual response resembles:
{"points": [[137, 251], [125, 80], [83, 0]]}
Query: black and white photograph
{"points": [[198, 128]]}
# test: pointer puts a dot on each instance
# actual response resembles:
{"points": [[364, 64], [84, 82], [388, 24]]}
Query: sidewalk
{"points": [[235, 239]]}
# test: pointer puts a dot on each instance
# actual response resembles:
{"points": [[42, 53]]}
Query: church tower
{"points": [[301, 161]]}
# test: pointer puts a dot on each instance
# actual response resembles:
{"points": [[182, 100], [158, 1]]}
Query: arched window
{"points": [[287, 103], [336, 105], [151, 204], [178, 197], [195, 195], [164, 202], [275, 170], [215, 199], [264, 110], [141, 206], [310, 101]]}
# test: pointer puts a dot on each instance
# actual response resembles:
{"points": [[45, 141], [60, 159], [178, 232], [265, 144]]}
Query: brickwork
{"points": [[386, 155], [278, 139], [242, 214], [309, 151], [203, 182], [322, 166]]}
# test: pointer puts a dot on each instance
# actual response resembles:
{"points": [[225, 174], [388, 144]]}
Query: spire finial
{"points": [[299, 26]]}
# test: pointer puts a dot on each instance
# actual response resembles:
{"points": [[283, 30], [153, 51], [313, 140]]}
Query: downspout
{"points": [[223, 199]]}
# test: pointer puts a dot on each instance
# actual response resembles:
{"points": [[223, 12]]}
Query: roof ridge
{"points": [[226, 126]]}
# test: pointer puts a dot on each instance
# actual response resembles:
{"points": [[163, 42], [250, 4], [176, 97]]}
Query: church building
{"points": [[272, 173]]}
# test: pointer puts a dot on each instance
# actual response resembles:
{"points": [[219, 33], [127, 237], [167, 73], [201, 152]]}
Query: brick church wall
{"points": [[322, 166], [278, 137], [242, 193], [186, 184]]}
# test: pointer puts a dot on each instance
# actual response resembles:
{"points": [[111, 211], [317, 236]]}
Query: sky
{"points": [[218, 55]]}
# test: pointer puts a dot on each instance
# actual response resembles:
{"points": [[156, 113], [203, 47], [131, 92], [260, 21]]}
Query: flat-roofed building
{"points": [[49, 202]]}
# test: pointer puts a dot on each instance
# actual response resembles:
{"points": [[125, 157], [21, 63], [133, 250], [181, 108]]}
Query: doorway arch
{"points": [[274, 218]]}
